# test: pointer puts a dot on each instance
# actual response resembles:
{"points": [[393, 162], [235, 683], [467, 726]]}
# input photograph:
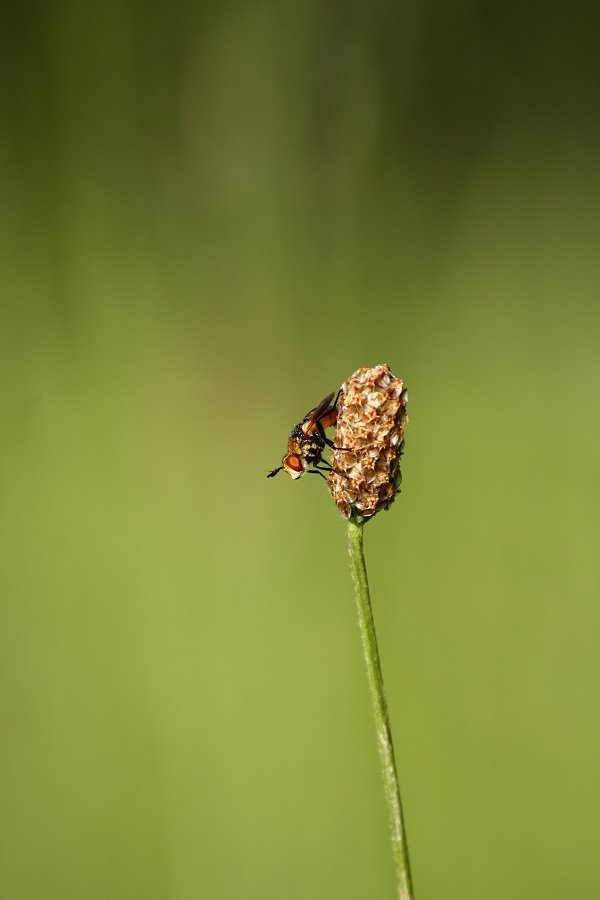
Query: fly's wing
{"points": [[315, 414], [311, 419]]}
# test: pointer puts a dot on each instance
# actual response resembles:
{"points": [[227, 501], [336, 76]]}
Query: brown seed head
{"points": [[370, 426]]}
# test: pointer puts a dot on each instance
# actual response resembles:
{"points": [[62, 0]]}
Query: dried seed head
{"points": [[370, 428]]}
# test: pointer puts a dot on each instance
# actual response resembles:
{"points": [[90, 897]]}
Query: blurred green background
{"points": [[211, 215]]}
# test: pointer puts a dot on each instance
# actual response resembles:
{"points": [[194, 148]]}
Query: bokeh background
{"points": [[211, 215]]}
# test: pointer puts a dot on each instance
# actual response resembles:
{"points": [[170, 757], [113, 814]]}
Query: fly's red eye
{"points": [[294, 462]]}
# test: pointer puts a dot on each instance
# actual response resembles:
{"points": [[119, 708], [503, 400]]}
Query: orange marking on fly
{"points": [[325, 421]]}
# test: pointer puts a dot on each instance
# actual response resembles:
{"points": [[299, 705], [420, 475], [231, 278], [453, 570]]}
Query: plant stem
{"points": [[382, 720]]}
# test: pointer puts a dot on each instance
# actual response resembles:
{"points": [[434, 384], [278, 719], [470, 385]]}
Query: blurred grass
{"points": [[210, 219]]}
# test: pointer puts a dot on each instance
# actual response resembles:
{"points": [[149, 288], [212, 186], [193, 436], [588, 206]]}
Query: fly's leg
{"points": [[327, 468], [327, 440]]}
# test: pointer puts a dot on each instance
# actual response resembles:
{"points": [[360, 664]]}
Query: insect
{"points": [[307, 441]]}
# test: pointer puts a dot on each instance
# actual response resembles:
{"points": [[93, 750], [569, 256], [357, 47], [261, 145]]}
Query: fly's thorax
{"points": [[313, 447], [297, 435], [295, 442]]}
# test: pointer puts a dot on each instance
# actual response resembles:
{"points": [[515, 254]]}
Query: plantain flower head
{"points": [[369, 442]]}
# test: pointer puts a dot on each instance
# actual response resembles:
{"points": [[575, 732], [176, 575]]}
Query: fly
{"points": [[308, 440]]}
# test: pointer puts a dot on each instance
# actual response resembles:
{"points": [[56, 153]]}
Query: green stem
{"points": [[382, 720]]}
